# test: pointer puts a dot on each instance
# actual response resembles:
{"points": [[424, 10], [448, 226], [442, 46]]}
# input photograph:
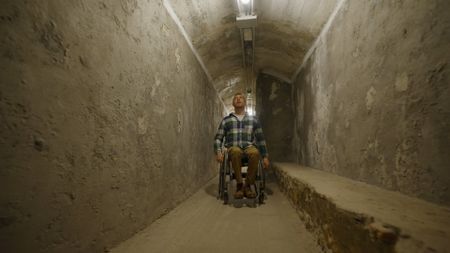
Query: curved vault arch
{"points": [[286, 30]]}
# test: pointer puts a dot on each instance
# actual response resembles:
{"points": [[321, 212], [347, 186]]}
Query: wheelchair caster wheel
{"points": [[261, 199]]}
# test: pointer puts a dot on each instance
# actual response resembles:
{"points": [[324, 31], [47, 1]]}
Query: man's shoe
{"points": [[249, 193], [239, 194]]}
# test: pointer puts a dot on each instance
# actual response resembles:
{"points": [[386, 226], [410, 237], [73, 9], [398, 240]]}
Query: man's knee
{"points": [[235, 151], [252, 152]]}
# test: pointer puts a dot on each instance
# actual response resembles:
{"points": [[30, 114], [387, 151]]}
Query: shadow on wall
{"points": [[274, 110]]}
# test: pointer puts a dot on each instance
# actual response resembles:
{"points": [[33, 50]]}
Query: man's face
{"points": [[239, 101]]}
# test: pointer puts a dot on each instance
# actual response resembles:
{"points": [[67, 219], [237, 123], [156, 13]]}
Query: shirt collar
{"points": [[235, 115]]}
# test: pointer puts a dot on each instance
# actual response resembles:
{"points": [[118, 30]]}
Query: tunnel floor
{"points": [[203, 224]]}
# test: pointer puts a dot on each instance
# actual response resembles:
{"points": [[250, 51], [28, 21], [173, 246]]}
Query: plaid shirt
{"points": [[240, 133]]}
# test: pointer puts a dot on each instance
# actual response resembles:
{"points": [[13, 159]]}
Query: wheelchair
{"points": [[226, 176]]}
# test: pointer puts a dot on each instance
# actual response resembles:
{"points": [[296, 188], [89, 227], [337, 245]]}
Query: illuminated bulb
{"points": [[245, 1], [250, 111]]}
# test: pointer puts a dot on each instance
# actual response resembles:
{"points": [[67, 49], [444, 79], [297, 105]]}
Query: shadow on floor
{"points": [[212, 188]]}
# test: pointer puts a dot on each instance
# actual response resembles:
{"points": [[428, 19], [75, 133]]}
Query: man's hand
{"points": [[266, 162], [219, 157]]}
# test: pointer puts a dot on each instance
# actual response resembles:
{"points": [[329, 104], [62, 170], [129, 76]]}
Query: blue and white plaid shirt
{"points": [[240, 134]]}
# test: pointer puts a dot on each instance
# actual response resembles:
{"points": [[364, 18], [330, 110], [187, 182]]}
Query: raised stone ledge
{"points": [[349, 216]]}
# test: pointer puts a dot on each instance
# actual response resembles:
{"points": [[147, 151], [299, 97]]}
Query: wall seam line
{"points": [[186, 37], [325, 29]]}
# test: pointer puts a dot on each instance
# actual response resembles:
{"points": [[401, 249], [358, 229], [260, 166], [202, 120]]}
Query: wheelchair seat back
{"points": [[244, 161]]}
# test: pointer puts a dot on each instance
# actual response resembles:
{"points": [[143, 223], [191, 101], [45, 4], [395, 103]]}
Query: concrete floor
{"points": [[203, 224]]}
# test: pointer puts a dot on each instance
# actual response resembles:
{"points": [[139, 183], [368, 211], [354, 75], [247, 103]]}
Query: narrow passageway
{"points": [[203, 224], [110, 112]]}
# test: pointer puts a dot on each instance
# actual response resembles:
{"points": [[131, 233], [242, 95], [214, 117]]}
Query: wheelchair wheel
{"points": [[261, 183], [221, 182], [261, 198], [219, 191]]}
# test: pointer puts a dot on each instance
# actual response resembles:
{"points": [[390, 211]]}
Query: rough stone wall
{"points": [[107, 122], [274, 110], [372, 103]]}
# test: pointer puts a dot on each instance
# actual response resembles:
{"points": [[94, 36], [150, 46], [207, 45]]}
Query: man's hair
{"points": [[239, 93]]}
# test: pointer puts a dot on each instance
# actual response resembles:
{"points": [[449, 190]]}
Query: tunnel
{"points": [[109, 109]]}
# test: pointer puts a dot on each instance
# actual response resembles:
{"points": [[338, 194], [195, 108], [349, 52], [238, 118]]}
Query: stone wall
{"points": [[107, 122], [274, 109], [352, 217], [372, 102]]}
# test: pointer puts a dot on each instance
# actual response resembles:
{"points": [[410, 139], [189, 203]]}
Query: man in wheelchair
{"points": [[241, 134]]}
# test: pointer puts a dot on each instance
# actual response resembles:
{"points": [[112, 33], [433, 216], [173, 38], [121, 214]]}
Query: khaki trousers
{"points": [[235, 154]]}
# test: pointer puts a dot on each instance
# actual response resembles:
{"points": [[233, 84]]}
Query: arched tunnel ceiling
{"points": [[286, 30]]}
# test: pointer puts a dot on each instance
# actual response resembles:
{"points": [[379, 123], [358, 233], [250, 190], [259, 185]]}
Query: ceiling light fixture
{"points": [[245, 1]]}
